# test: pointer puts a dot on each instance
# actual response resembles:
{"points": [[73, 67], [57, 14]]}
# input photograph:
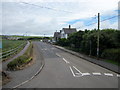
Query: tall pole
{"points": [[98, 35]]}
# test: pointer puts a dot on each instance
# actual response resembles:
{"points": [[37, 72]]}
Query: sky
{"points": [[44, 17]]}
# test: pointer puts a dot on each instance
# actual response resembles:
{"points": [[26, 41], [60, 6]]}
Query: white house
{"points": [[65, 32]]}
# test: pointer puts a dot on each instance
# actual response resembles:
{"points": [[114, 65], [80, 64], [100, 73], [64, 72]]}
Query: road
{"points": [[63, 70]]}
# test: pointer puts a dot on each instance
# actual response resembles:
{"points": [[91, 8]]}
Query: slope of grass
{"points": [[22, 60], [10, 44]]}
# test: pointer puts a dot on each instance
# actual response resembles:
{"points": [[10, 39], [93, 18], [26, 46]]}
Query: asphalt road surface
{"points": [[63, 70]]}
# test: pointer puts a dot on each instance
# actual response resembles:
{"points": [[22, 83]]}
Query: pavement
{"points": [[65, 70], [99, 62]]}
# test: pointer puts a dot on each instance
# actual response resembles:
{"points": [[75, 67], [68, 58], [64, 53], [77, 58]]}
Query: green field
{"points": [[11, 47], [10, 44]]}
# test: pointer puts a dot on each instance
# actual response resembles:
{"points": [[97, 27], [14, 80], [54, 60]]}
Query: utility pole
{"points": [[98, 35], [90, 48]]}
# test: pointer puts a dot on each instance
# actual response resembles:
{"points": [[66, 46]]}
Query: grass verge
{"points": [[21, 61]]}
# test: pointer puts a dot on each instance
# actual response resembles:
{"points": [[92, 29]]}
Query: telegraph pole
{"points": [[98, 35]]}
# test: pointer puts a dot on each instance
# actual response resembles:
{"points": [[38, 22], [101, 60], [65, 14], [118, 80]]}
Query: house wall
{"points": [[63, 35]]}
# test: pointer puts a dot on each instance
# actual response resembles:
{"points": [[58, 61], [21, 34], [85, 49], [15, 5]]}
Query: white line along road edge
{"points": [[96, 73], [108, 74], [85, 74]]}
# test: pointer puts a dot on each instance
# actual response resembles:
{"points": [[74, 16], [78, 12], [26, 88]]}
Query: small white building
{"points": [[65, 32]]}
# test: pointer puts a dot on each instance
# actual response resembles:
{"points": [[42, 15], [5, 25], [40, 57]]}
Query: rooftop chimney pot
{"points": [[69, 26]]}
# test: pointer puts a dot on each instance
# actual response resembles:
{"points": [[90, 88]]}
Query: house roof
{"points": [[69, 30], [57, 34]]}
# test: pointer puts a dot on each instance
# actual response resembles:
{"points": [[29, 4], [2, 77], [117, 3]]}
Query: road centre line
{"points": [[118, 75], [65, 60], [58, 55], [72, 71], [108, 74], [96, 73], [77, 69]]}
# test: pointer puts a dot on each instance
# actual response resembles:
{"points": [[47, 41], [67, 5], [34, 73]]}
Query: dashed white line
{"points": [[72, 71], [77, 69], [58, 55], [108, 74], [96, 73], [118, 75], [65, 60], [85, 74]]}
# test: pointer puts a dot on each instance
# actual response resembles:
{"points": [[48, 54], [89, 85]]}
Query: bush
{"points": [[112, 54], [63, 42], [22, 60]]}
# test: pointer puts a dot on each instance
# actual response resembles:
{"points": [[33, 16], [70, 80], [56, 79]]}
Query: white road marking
{"points": [[118, 75], [96, 73], [65, 60], [85, 74], [58, 55], [77, 69], [72, 71], [108, 74]]}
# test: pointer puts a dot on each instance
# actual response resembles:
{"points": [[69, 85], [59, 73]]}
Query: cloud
{"points": [[19, 18]]}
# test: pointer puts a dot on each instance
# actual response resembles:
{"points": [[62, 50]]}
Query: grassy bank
{"points": [[11, 47], [21, 61], [10, 44]]}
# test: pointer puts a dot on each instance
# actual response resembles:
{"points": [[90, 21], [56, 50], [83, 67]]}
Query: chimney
{"points": [[60, 31], [69, 26]]}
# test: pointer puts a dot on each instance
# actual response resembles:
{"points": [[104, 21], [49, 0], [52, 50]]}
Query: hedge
{"points": [[111, 54]]}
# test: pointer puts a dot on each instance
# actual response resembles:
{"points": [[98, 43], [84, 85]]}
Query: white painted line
{"points": [[72, 71], [30, 78], [65, 60], [58, 55], [77, 69], [118, 75], [108, 74], [96, 73], [85, 74]]}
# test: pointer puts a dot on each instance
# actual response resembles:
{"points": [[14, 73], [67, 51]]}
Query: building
{"points": [[56, 36], [65, 32]]}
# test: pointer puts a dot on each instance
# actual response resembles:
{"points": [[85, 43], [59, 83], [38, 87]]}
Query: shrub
{"points": [[21, 60], [112, 54]]}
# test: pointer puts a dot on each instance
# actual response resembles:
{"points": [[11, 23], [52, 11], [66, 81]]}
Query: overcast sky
{"points": [[41, 17]]}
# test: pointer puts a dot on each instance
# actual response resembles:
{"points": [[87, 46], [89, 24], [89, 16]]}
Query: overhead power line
{"points": [[110, 18], [100, 21], [46, 7]]}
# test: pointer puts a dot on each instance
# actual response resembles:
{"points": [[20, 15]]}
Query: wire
{"points": [[110, 18], [101, 21], [46, 7]]}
